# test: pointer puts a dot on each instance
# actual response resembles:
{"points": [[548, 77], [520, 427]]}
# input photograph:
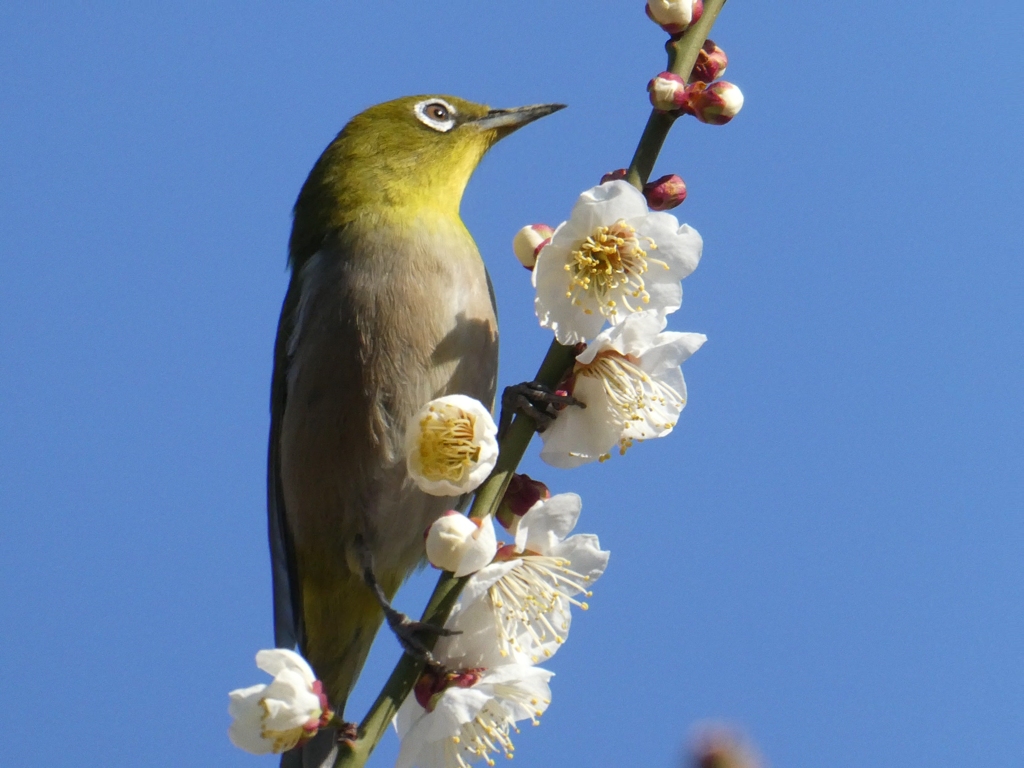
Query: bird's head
{"points": [[397, 159]]}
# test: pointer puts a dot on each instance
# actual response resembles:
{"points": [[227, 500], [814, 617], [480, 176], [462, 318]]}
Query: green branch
{"points": [[682, 55], [559, 359]]}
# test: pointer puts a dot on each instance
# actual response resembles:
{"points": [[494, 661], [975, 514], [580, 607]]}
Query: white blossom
{"points": [[518, 608], [611, 259], [455, 719], [279, 716], [451, 445], [632, 384], [460, 544]]}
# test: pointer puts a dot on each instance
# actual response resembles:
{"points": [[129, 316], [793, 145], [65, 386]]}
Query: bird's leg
{"points": [[405, 629], [538, 401]]}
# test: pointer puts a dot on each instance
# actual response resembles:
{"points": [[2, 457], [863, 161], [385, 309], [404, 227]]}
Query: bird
{"points": [[389, 305]]}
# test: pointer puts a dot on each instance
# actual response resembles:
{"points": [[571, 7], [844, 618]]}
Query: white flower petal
{"points": [[276, 660], [548, 522], [671, 352], [679, 245], [581, 435], [289, 702], [477, 643], [584, 553], [484, 544], [247, 720]]}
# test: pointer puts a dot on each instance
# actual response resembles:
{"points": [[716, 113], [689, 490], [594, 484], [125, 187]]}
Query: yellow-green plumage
{"points": [[389, 306]]}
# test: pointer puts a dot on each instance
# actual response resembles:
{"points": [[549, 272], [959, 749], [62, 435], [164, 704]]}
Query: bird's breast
{"points": [[388, 318]]}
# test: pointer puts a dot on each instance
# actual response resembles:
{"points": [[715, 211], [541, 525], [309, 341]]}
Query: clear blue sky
{"points": [[828, 552]]}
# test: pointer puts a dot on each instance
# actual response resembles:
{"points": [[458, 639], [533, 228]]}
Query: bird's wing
{"points": [[286, 587]]}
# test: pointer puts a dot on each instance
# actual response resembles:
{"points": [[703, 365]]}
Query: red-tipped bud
{"points": [[714, 104], [719, 748], [675, 16], [665, 193], [522, 493], [616, 175], [668, 92], [711, 63], [431, 683], [529, 240]]}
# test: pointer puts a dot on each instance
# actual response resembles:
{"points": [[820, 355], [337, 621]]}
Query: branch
{"points": [[558, 361]]}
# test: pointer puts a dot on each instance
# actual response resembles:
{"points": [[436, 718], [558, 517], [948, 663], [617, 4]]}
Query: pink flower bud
{"points": [[715, 104], [668, 92], [711, 63], [675, 16], [616, 175], [525, 493], [665, 193], [528, 241]]}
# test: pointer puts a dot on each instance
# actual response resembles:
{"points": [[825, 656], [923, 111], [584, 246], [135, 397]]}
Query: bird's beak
{"points": [[504, 121]]}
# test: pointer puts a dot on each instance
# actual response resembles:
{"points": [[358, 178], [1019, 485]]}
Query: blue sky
{"points": [[826, 553]]}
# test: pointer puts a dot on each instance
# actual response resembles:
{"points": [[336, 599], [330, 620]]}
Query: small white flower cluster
{"points": [[513, 612], [617, 262], [282, 715]]}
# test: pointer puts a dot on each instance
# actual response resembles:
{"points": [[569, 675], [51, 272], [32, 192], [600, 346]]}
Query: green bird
{"points": [[389, 306]]}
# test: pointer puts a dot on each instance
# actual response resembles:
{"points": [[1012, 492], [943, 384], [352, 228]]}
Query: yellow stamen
{"points": [[608, 268], [447, 447]]}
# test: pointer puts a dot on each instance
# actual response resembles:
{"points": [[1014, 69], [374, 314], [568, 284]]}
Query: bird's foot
{"points": [[407, 631], [348, 734], [410, 634], [538, 401]]}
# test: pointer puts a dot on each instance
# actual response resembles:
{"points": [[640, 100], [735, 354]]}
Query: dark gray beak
{"points": [[504, 121]]}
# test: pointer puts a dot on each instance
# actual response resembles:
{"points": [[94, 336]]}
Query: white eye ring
{"points": [[436, 113]]}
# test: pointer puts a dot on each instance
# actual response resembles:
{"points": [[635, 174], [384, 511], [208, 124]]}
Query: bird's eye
{"points": [[436, 113]]}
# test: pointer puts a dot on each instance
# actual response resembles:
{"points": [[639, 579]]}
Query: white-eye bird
{"points": [[389, 306]]}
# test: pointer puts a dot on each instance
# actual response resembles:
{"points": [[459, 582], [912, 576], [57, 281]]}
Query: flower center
{"points": [[447, 447], [283, 740], [638, 399], [488, 732], [526, 598], [608, 267]]}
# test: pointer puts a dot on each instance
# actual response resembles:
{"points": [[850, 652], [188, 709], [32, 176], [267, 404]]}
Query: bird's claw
{"points": [[408, 632], [348, 734], [538, 401]]}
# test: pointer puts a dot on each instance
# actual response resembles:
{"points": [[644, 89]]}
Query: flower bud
{"points": [[675, 16], [720, 748], [528, 242], [436, 680], [711, 63], [616, 175], [665, 193], [668, 92], [714, 104], [520, 496], [460, 544]]}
